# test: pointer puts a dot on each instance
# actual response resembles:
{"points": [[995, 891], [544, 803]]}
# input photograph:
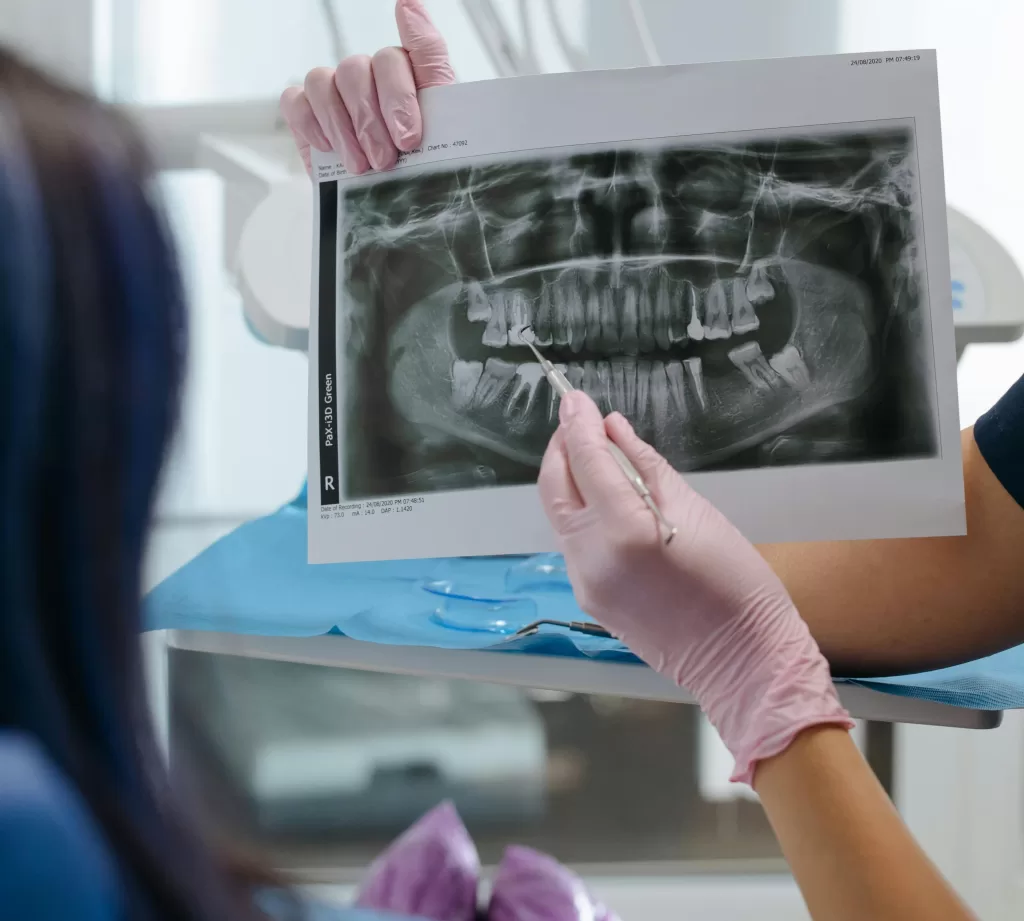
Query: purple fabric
{"points": [[431, 871], [531, 886]]}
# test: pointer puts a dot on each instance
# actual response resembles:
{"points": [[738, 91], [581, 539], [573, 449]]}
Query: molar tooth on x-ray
{"points": [[791, 368], [716, 311], [495, 333], [519, 317], [465, 377], [719, 294], [751, 362], [743, 318], [525, 390], [497, 376]]}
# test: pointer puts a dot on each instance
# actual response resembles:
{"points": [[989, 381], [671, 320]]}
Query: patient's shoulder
{"points": [[54, 864]]}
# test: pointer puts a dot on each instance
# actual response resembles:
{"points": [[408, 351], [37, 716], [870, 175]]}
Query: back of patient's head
{"points": [[92, 343]]}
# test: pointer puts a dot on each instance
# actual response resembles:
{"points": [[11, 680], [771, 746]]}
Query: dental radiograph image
{"points": [[743, 304]]}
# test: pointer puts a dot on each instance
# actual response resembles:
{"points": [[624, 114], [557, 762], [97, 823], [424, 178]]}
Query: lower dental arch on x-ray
{"points": [[744, 304]]}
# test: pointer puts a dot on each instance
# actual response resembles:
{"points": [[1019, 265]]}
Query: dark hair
{"points": [[92, 349]]}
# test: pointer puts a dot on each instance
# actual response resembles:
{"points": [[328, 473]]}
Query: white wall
{"points": [[690, 31], [981, 77], [50, 33]]}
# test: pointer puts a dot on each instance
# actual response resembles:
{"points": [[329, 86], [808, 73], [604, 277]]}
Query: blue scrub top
{"points": [[999, 435], [54, 862]]}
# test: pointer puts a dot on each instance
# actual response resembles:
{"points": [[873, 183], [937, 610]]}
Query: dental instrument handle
{"points": [[638, 483]]}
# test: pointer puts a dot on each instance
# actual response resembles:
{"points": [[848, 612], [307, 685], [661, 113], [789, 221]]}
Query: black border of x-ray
{"points": [[327, 362]]}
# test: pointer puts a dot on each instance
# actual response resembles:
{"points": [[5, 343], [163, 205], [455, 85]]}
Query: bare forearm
{"points": [[849, 851], [891, 606]]}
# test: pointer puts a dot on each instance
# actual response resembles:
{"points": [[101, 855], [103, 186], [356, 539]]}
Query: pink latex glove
{"points": [[366, 109], [706, 611]]}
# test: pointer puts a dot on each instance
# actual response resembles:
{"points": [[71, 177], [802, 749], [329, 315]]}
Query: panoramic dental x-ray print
{"points": [[744, 304]]}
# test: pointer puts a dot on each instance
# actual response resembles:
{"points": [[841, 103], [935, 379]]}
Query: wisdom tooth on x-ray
{"points": [[720, 295]]}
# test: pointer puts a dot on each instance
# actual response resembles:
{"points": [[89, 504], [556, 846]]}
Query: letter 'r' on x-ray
{"points": [[329, 483]]}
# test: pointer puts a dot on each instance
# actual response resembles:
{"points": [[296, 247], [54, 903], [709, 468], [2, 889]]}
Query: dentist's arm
{"points": [[892, 606], [848, 848], [709, 613]]}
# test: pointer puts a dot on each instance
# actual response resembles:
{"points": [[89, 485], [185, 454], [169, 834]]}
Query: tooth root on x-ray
{"points": [[524, 391], [554, 397], [645, 320], [644, 371], [695, 305], [479, 309], [678, 316], [677, 388], [759, 286], [599, 305], [623, 386], [544, 321], [695, 373], [660, 412], [629, 337]]}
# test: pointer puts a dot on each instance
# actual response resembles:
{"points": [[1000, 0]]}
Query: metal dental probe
{"points": [[560, 384]]}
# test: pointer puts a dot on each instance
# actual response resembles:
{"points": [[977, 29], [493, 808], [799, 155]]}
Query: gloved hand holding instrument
{"points": [[707, 611]]}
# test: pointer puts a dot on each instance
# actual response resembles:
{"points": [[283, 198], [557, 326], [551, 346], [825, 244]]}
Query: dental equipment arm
{"points": [[847, 846], [904, 606]]}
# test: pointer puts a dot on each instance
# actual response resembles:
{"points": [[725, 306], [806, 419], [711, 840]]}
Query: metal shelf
{"points": [[546, 672]]}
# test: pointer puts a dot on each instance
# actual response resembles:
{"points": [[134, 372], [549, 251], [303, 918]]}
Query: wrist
{"points": [[799, 700], [764, 682]]}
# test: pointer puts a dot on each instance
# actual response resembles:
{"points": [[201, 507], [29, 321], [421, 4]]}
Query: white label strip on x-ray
{"points": [[749, 260]]}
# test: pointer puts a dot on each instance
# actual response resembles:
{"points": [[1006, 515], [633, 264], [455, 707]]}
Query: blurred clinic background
{"points": [[320, 766]]}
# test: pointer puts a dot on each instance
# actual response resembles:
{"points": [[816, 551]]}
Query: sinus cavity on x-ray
{"points": [[747, 301]]}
